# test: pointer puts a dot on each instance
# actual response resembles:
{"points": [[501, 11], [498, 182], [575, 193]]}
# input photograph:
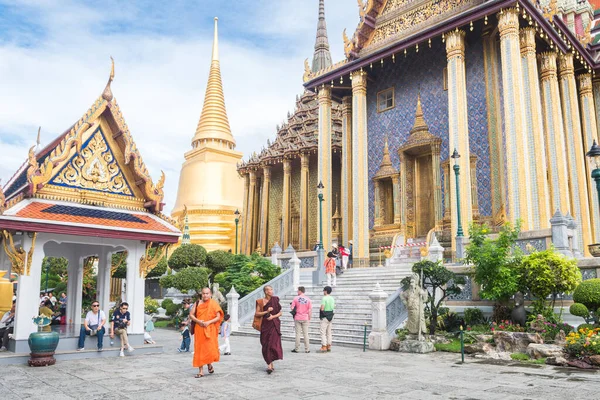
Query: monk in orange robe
{"points": [[207, 315]]}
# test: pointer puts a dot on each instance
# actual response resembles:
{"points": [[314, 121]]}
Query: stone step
{"points": [[338, 340]]}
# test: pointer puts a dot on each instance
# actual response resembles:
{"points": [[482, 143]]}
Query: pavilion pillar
{"points": [[78, 295], [519, 179], [28, 290], [304, 162], [558, 177], [346, 169], [324, 162], [103, 286], [580, 209], [264, 222], [135, 287], [590, 133], [534, 125], [250, 217], [285, 206], [245, 213], [360, 170], [459, 130], [72, 265]]}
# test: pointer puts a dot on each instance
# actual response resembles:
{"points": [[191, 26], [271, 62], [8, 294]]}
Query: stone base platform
{"points": [[412, 346]]}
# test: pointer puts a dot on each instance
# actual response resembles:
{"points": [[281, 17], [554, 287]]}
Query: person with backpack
{"points": [[326, 317], [330, 269]]}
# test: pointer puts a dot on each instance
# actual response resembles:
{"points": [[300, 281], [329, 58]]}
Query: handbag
{"points": [[192, 322], [293, 312], [257, 322], [94, 328]]}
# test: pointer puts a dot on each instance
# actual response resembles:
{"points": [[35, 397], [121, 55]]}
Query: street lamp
{"points": [[320, 188], [455, 156], [237, 220]]}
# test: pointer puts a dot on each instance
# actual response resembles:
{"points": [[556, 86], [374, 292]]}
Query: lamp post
{"points": [[455, 156], [594, 156], [237, 220], [320, 188]]}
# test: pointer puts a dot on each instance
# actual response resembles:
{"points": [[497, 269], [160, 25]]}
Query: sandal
{"points": [[269, 371], [211, 370], [198, 375]]}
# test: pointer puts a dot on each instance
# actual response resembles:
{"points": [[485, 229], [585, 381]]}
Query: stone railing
{"points": [[395, 312], [281, 284]]}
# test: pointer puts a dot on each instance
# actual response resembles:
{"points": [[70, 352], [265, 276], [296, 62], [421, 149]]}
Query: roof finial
{"points": [[38, 141], [322, 57], [420, 125], [215, 50], [107, 93]]}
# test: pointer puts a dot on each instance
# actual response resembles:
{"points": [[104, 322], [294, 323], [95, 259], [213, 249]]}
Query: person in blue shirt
{"points": [[121, 319], [185, 337]]}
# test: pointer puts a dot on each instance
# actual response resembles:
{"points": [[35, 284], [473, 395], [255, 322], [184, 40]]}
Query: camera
{"points": [[121, 324]]}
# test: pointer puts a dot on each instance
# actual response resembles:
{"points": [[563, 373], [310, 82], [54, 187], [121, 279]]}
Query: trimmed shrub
{"points": [[189, 255], [159, 270], [579, 310], [172, 309], [588, 294], [474, 316], [150, 305], [218, 260], [165, 303]]}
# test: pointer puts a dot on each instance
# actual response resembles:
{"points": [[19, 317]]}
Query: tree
{"points": [[495, 261], [57, 274], [159, 270], [587, 300], [547, 272], [219, 260], [437, 280], [186, 279], [247, 273], [120, 261], [189, 255]]}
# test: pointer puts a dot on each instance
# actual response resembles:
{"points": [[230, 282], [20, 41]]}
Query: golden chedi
{"points": [[209, 185]]}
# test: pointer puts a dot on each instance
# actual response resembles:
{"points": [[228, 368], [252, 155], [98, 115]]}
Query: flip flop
{"points": [[211, 370], [198, 375]]}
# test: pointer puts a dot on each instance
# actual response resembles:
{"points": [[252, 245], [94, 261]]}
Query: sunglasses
{"points": [[95, 305], [124, 308]]}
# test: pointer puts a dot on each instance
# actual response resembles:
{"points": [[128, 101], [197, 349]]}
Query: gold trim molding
{"points": [[148, 262], [17, 255]]}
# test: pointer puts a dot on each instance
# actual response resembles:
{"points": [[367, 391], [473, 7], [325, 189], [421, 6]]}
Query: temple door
{"points": [[424, 204]]}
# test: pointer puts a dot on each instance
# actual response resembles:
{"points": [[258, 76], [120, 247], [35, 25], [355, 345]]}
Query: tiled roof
{"points": [[97, 217]]}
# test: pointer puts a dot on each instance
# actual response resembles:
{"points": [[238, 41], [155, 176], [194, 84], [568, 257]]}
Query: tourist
{"points": [[46, 311], [63, 308], [149, 327], [207, 316], [335, 251], [7, 326], [225, 333], [268, 310], [121, 319], [52, 299], [185, 337], [344, 253], [185, 310], [93, 325], [301, 310], [350, 245], [330, 269], [326, 316]]}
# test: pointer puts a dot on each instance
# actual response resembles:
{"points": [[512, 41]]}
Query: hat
{"points": [[350, 241], [334, 246]]}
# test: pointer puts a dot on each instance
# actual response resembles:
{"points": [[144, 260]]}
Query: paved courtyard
{"points": [[346, 373]]}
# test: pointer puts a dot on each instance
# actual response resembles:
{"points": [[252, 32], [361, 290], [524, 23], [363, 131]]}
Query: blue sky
{"points": [[54, 62]]}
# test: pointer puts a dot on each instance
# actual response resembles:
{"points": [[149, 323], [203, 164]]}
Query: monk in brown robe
{"points": [[270, 332], [207, 315]]}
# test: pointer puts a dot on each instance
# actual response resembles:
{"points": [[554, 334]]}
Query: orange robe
{"points": [[206, 340]]}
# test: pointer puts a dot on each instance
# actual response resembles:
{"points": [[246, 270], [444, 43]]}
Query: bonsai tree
{"points": [[545, 273], [247, 273], [439, 283], [190, 278], [587, 301], [188, 255], [218, 260]]}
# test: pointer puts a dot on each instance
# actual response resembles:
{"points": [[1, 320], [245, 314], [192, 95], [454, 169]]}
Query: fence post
{"points": [[560, 235], [295, 265], [232, 308], [378, 338], [319, 272], [275, 252]]}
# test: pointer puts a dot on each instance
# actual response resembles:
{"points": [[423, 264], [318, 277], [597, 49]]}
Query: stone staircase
{"points": [[353, 306]]}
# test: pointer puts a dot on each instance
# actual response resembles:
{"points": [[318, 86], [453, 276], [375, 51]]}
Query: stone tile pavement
{"points": [[345, 373]]}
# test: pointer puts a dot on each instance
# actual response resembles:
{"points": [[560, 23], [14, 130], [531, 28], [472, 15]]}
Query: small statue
{"points": [[538, 325], [217, 295], [518, 314], [414, 299]]}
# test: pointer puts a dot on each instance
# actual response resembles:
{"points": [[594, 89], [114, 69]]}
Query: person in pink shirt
{"points": [[301, 310]]}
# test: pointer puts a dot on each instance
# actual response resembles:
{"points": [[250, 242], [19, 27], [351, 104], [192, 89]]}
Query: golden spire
{"points": [[386, 168], [420, 124], [107, 93], [213, 122]]}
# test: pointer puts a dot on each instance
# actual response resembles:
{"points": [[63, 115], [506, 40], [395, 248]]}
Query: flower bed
{"points": [[583, 343]]}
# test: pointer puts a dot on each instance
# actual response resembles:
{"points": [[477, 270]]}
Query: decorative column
{"points": [[245, 213], [437, 183], [304, 162], [250, 234], [396, 191], [402, 190], [519, 179], [285, 206], [104, 273], [377, 206], [324, 99], [232, 308], [78, 298], [590, 133], [378, 338], [295, 266], [534, 125], [360, 170], [346, 169], [264, 223], [458, 129], [578, 177], [556, 155], [135, 287]]}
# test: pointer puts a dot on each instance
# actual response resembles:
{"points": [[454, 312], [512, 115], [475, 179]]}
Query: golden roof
{"points": [[214, 123]]}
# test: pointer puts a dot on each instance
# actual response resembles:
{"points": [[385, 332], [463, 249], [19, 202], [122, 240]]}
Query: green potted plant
{"points": [[42, 343]]}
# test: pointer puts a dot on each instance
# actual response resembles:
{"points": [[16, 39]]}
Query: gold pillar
{"points": [[558, 178], [304, 162], [250, 234], [519, 179], [378, 218], [596, 92], [534, 125], [437, 184], [245, 212], [360, 170], [402, 190], [580, 209], [324, 99], [458, 130], [264, 222], [590, 133], [396, 191], [285, 206], [346, 169]]}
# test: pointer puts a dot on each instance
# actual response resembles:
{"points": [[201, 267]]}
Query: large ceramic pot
{"points": [[594, 249], [42, 346]]}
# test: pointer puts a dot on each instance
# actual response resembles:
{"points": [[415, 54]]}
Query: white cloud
{"points": [[160, 77]]}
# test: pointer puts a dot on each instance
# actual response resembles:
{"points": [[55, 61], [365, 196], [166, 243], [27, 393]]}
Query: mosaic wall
{"points": [[423, 72], [275, 199], [313, 201]]}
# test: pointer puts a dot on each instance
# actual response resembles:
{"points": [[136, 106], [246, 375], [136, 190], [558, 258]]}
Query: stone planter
{"points": [[594, 249], [42, 346]]}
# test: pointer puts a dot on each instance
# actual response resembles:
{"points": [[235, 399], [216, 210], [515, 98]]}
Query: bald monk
{"points": [[207, 315]]}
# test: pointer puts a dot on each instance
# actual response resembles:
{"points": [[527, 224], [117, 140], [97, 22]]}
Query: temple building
{"points": [[210, 189], [509, 85]]}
